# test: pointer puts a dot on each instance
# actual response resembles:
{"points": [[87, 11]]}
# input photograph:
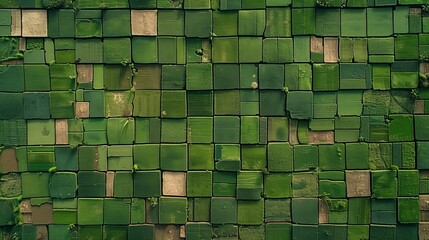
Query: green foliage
{"points": [[125, 62], [323, 3], [53, 4], [135, 167], [153, 201], [423, 80], [424, 58], [425, 9], [265, 171], [34, 44], [199, 52], [8, 49], [414, 94], [336, 205]]}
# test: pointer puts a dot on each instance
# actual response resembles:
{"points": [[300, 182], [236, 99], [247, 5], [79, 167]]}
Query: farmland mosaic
{"points": [[214, 119]]}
